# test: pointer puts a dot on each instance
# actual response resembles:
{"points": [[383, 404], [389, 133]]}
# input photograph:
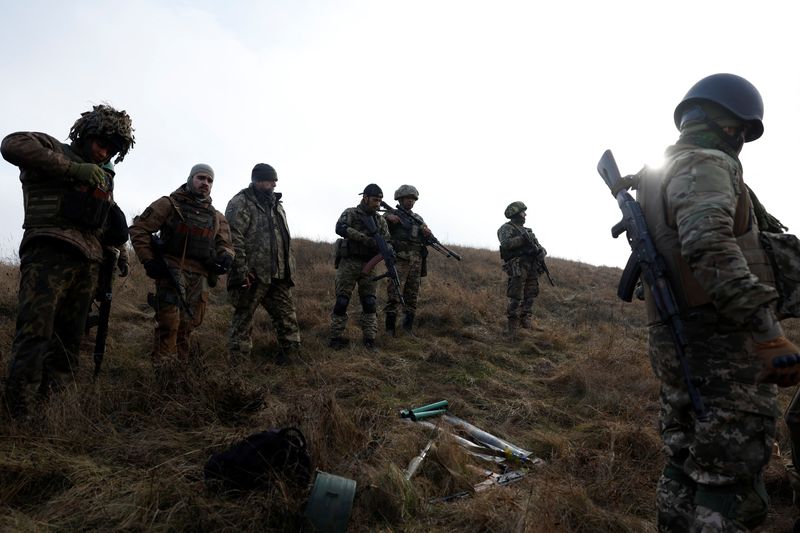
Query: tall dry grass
{"points": [[125, 453]]}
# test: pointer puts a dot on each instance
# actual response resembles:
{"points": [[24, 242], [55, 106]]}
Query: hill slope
{"points": [[125, 453]]}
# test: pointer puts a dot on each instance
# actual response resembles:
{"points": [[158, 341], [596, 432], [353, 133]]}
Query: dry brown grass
{"points": [[123, 453]]}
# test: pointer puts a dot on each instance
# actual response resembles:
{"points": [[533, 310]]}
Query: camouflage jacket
{"points": [[518, 241], [699, 213], [161, 214], [407, 239], [43, 163], [260, 236], [350, 226]]}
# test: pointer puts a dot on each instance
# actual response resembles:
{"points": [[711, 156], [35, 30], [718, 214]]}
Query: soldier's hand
{"points": [[155, 269], [394, 219], [221, 265], [249, 280], [426, 231], [87, 173], [780, 360]]}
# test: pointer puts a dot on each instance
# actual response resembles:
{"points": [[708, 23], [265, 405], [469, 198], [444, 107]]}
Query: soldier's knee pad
{"points": [[340, 307], [369, 304]]}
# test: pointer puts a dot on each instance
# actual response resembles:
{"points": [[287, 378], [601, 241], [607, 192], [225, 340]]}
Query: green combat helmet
{"points": [[406, 190], [106, 122], [514, 209]]}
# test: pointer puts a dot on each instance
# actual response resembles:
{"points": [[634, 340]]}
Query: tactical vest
{"points": [[190, 231], [525, 250], [356, 248], [406, 239], [61, 203], [651, 195]]}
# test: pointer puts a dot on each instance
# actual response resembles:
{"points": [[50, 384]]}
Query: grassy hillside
{"points": [[124, 453]]}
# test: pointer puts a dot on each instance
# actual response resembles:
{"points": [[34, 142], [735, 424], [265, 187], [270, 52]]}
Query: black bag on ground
{"points": [[260, 458]]}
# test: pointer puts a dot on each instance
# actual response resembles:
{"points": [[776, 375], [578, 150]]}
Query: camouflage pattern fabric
{"points": [[726, 452], [56, 288], [276, 297], [523, 286], [348, 276], [173, 325], [408, 270]]}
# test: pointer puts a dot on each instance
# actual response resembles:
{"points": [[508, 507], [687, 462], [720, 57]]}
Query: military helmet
{"points": [[514, 209], [406, 190], [733, 93], [106, 122]]}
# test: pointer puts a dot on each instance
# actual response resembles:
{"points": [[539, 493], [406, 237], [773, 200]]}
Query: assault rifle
{"points": [[385, 254], [537, 249], [158, 251], [646, 263], [409, 219], [104, 295]]}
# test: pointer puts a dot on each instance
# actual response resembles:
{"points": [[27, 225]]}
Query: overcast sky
{"points": [[476, 103]]}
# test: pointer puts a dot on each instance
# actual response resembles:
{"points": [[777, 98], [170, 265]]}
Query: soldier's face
{"points": [[372, 203], [264, 185], [407, 202], [101, 150], [202, 183]]}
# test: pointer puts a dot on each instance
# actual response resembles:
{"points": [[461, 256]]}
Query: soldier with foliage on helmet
{"points": [[193, 247], [408, 241], [353, 251], [522, 257], [700, 215], [262, 269], [70, 219]]}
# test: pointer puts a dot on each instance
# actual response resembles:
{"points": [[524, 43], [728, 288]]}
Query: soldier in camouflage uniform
{"points": [[356, 247], [263, 266], [409, 246], [195, 248], [522, 255], [70, 216], [699, 213]]}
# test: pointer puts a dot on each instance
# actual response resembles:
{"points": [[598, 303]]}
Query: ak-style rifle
{"points": [[103, 295], [385, 254], [646, 263], [409, 219], [157, 246]]}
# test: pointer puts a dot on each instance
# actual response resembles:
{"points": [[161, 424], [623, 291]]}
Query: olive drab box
{"points": [[783, 250]]}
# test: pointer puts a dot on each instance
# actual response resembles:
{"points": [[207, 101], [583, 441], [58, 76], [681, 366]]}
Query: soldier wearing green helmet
{"points": [[522, 261], [70, 220]]}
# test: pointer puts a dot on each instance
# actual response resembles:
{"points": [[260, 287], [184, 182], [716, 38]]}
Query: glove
{"points": [[155, 269], [122, 265], [221, 265], [781, 362], [87, 173]]}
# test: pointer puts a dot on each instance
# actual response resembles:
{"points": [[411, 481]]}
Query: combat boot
{"points": [[408, 324], [370, 345], [391, 322], [513, 326], [526, 322], [337, 343], [287, 352]]}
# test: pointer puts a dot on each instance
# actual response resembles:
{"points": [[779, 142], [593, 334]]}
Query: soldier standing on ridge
{"points": [[699, 214], [263, 266], [409, 245], [522, 255], [356, 247], [70, 216], [194, 246]]}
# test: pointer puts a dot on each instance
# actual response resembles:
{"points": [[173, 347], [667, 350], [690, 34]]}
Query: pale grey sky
{"points": [[476, 103]]}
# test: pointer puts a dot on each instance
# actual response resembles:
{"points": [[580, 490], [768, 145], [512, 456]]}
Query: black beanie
{"points": [[263, 172]]}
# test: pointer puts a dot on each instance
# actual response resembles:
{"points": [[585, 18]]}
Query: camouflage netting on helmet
{"points": [[514, 209], [105, 121]]}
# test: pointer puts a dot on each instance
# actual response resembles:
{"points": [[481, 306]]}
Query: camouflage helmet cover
{"points": [[514, 209], [406, 190], [106, 122]]}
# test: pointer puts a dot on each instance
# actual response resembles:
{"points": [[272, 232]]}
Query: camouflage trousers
{"points": [[522, 288], [173, 324], [408, 270], [348, 276], [56, 287], [713, 478], [792, 419], [276, 298]]}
